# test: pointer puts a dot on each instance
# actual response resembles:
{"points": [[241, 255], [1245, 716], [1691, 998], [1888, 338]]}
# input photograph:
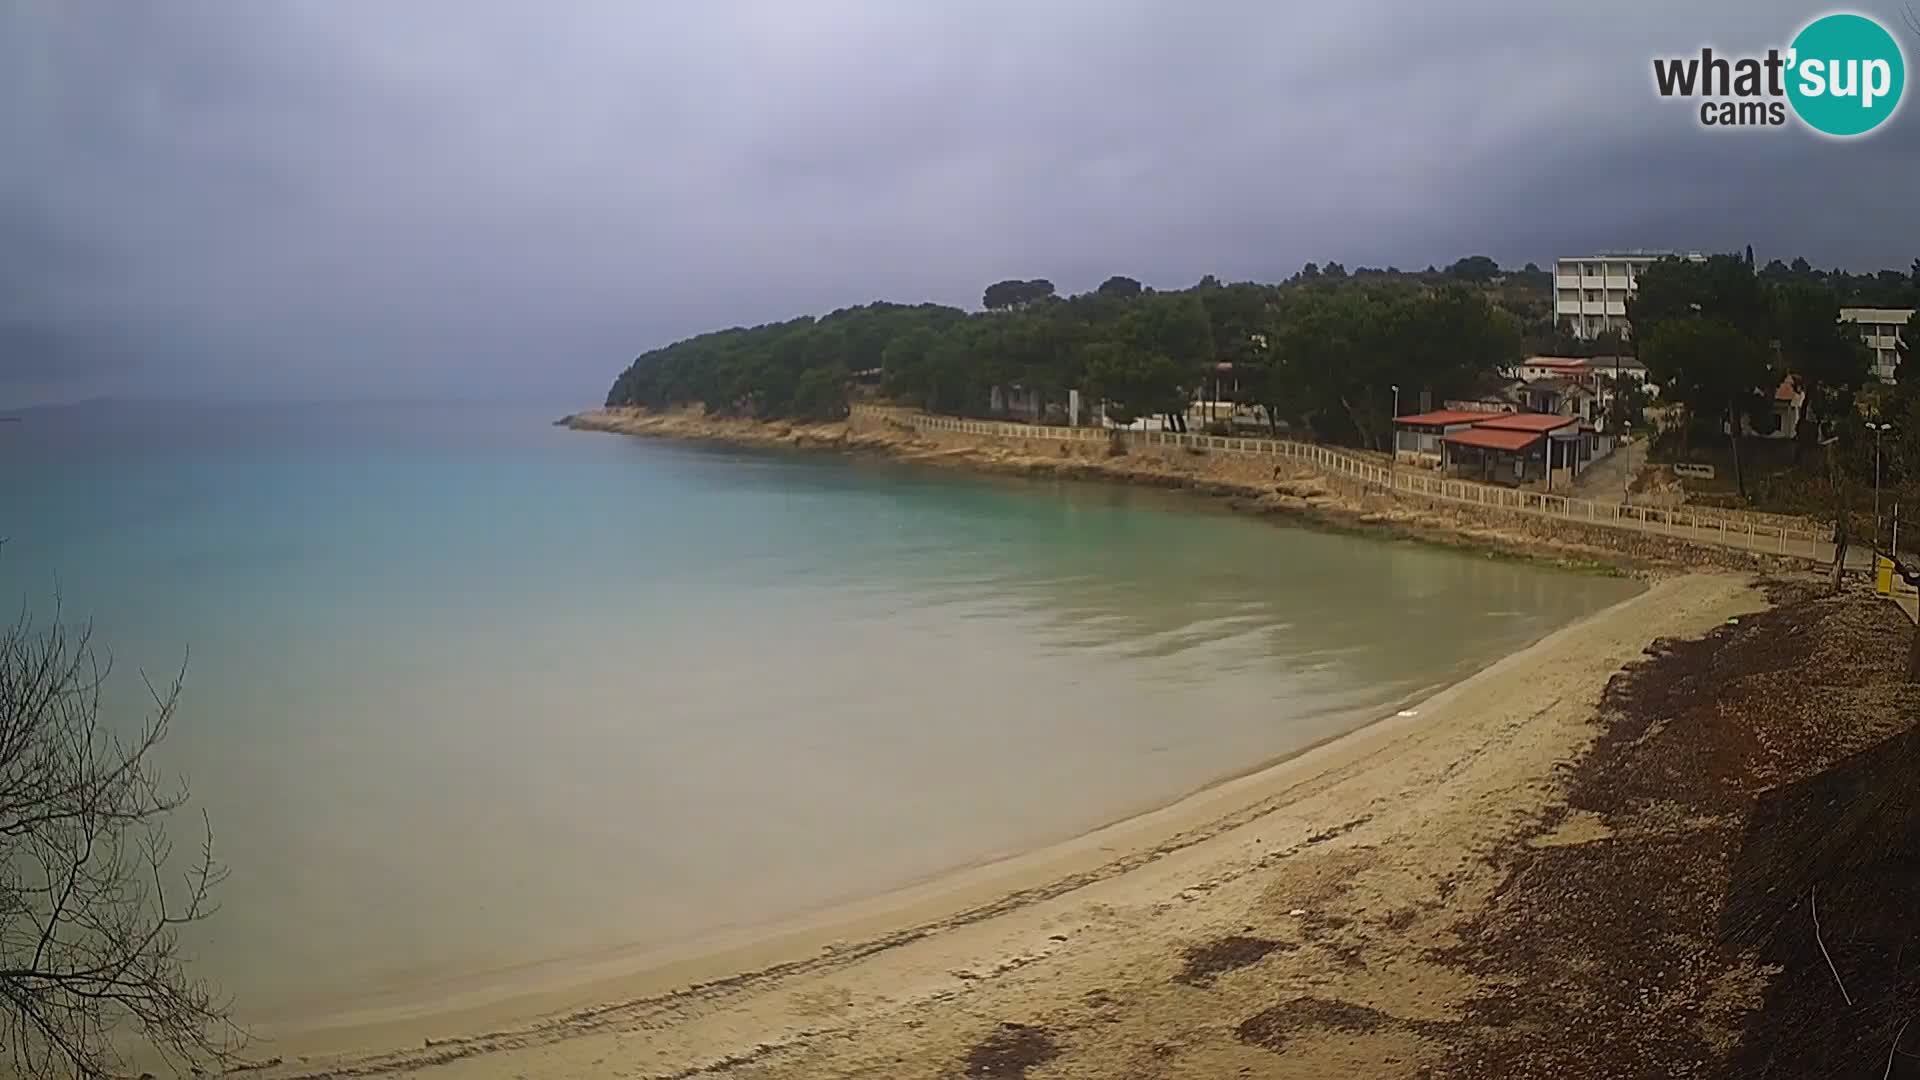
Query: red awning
{"points": [[1493, 439]]}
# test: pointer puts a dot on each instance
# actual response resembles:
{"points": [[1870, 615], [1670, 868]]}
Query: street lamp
{"points": [[1395, 426], [1878, 431]]}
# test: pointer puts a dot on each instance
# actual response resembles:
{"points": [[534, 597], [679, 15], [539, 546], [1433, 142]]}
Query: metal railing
{"points": [[1719, 530]]}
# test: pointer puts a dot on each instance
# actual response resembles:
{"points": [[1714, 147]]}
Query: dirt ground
{"points": [[1745, 779]]}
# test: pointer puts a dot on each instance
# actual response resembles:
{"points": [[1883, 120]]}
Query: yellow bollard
{"points": [[1883, 575]]}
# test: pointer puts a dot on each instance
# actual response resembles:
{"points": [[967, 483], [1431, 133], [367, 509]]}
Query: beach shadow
{"points": [[1009, 1051], [1843, 844]]}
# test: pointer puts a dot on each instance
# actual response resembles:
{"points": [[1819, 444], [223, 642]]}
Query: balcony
{"points": [[1567, 281], [1619, 282], [1593, 282], [1593, 307], [1567, 307], [1617, 307]]}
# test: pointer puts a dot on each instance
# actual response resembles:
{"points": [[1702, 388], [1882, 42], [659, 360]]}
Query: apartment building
{"points": [[1590, 293], [1883, 329]]}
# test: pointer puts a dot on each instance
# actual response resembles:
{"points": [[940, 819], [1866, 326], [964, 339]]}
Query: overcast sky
{"points": [[310, 198]]}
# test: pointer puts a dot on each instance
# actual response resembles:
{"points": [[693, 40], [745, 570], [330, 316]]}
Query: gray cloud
{"points": [[303, 198]]}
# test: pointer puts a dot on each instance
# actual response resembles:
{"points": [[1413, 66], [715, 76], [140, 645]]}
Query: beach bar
{"points": [[1418, 437], [1511, 448], [1493, 456]]}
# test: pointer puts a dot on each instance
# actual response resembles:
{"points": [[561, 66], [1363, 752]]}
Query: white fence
{"points": [[1720, 530]]}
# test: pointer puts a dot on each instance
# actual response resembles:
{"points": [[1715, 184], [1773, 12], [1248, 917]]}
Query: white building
{"points": [[1534, 368], [1883, 329], [1589, 371], [1577, 386], [1590, 293]]}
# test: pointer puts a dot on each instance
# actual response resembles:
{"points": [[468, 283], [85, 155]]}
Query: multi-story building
{"points": [[1883, 329], [1590, 294]]}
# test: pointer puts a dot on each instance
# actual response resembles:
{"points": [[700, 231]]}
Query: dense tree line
{"points": [[1719, 338], [1882, 289], [797, 368], [1320, 351]]}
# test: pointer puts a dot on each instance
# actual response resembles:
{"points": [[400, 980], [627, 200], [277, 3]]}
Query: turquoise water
{"points": [[467, 691]]}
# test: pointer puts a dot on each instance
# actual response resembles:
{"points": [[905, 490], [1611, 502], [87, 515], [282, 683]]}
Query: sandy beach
{"points": [[1305, 905]]}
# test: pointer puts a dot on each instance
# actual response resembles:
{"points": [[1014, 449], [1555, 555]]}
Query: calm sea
{"points": [[467, 691]]}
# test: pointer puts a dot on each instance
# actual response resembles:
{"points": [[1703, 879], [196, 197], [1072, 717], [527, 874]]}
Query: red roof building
{"points": [[1504, 446], [1418, 436], [1484, 438], [1534, 422]]}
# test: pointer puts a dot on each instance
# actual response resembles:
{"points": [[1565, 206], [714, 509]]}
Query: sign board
{"points": [[1700, 472]]}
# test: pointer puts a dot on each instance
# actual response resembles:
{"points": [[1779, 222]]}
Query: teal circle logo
{"points": [[1846, 74]]}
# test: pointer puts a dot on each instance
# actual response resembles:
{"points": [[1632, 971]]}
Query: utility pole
{"points": [[1394, 459], [1615, 399], [1626, 462]]}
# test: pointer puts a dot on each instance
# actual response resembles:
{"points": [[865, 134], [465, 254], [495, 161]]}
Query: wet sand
{"points": [[1303, 907]]}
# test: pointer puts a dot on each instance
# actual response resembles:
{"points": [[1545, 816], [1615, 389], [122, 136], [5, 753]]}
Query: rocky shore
{"points": [[1272, 487]]}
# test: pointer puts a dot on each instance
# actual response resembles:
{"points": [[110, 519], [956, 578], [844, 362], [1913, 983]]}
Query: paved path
{"points": [[1909, 604], [1605, 480]]}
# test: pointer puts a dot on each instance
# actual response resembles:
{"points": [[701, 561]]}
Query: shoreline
{"points": [[569, 982], [508, 993], [1283, 491], [1315, 797]]}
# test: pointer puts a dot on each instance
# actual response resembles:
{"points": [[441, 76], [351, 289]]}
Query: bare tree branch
{"points": [[1814, 902], [90, 899]]}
